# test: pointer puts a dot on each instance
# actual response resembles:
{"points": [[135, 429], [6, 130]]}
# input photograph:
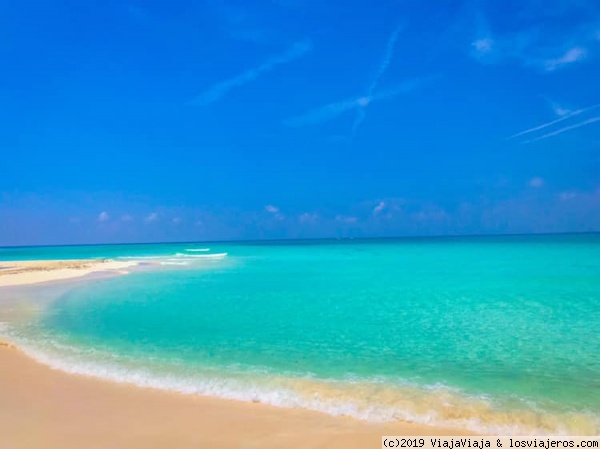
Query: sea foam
{"points": [[369, 400], [203, 256], [176, 258]]}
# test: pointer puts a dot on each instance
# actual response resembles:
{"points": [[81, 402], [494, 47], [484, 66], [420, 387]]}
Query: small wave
{"points": [[142, 257], [195, 250], [203, 256], [174, 259], [372, 400]]}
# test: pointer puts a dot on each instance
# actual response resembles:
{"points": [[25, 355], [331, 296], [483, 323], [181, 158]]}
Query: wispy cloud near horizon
{"points": [[379, 208], [152, 217], [274, 211], [220, 89], [536, 182]]}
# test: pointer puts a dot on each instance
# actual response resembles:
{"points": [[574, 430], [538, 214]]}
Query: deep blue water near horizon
{"points": [[113, 250], [495, 334]]}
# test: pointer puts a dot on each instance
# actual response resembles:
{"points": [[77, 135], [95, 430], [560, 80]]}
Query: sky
{"points": [[143, 121]]}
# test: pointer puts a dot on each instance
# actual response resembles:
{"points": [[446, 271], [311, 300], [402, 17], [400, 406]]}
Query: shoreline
{"points": [[30, 272], [73, 410]]}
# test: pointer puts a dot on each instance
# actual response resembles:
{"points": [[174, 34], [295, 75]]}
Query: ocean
{"points": [[497, 335]]}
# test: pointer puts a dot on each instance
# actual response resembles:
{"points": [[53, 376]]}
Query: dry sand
{"points": [[37, 271], [44, 408]]}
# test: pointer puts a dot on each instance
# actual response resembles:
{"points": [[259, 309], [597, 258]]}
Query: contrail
{"points": [[383, 65], [558, 120], [385, 61], [323, 113], [333, 110], [566, 128], [221, 88]]}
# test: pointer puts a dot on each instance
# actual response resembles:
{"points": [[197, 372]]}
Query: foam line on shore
{"points": [[434, 405]]}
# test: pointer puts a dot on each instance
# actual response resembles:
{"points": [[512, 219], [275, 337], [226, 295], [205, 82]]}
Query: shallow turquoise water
{"points": [[498, 334]]}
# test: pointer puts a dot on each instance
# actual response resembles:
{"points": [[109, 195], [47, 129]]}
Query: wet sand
{"points": [[45, 408]]}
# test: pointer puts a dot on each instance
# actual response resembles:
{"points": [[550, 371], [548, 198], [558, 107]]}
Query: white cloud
{"points": [[346, 219], [483, 46], [560, 111], [572, 55], [536, 182], [103, 216], [274, 210], [151, 217], [539, 44], [308, 218], [379, 208], [177, 220], [565, 196], [431, 213]]}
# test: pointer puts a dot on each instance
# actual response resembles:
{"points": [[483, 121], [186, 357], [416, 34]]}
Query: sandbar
{"points": [[38, 271]]}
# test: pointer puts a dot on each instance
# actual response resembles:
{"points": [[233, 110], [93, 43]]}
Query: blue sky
{"points": [[129, 121]]}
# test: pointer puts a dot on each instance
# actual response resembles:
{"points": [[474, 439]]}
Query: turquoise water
{"points": [[495, 334]]}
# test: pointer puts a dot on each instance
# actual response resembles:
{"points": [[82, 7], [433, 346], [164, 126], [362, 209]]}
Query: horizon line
{"points": [[307, 239]]}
